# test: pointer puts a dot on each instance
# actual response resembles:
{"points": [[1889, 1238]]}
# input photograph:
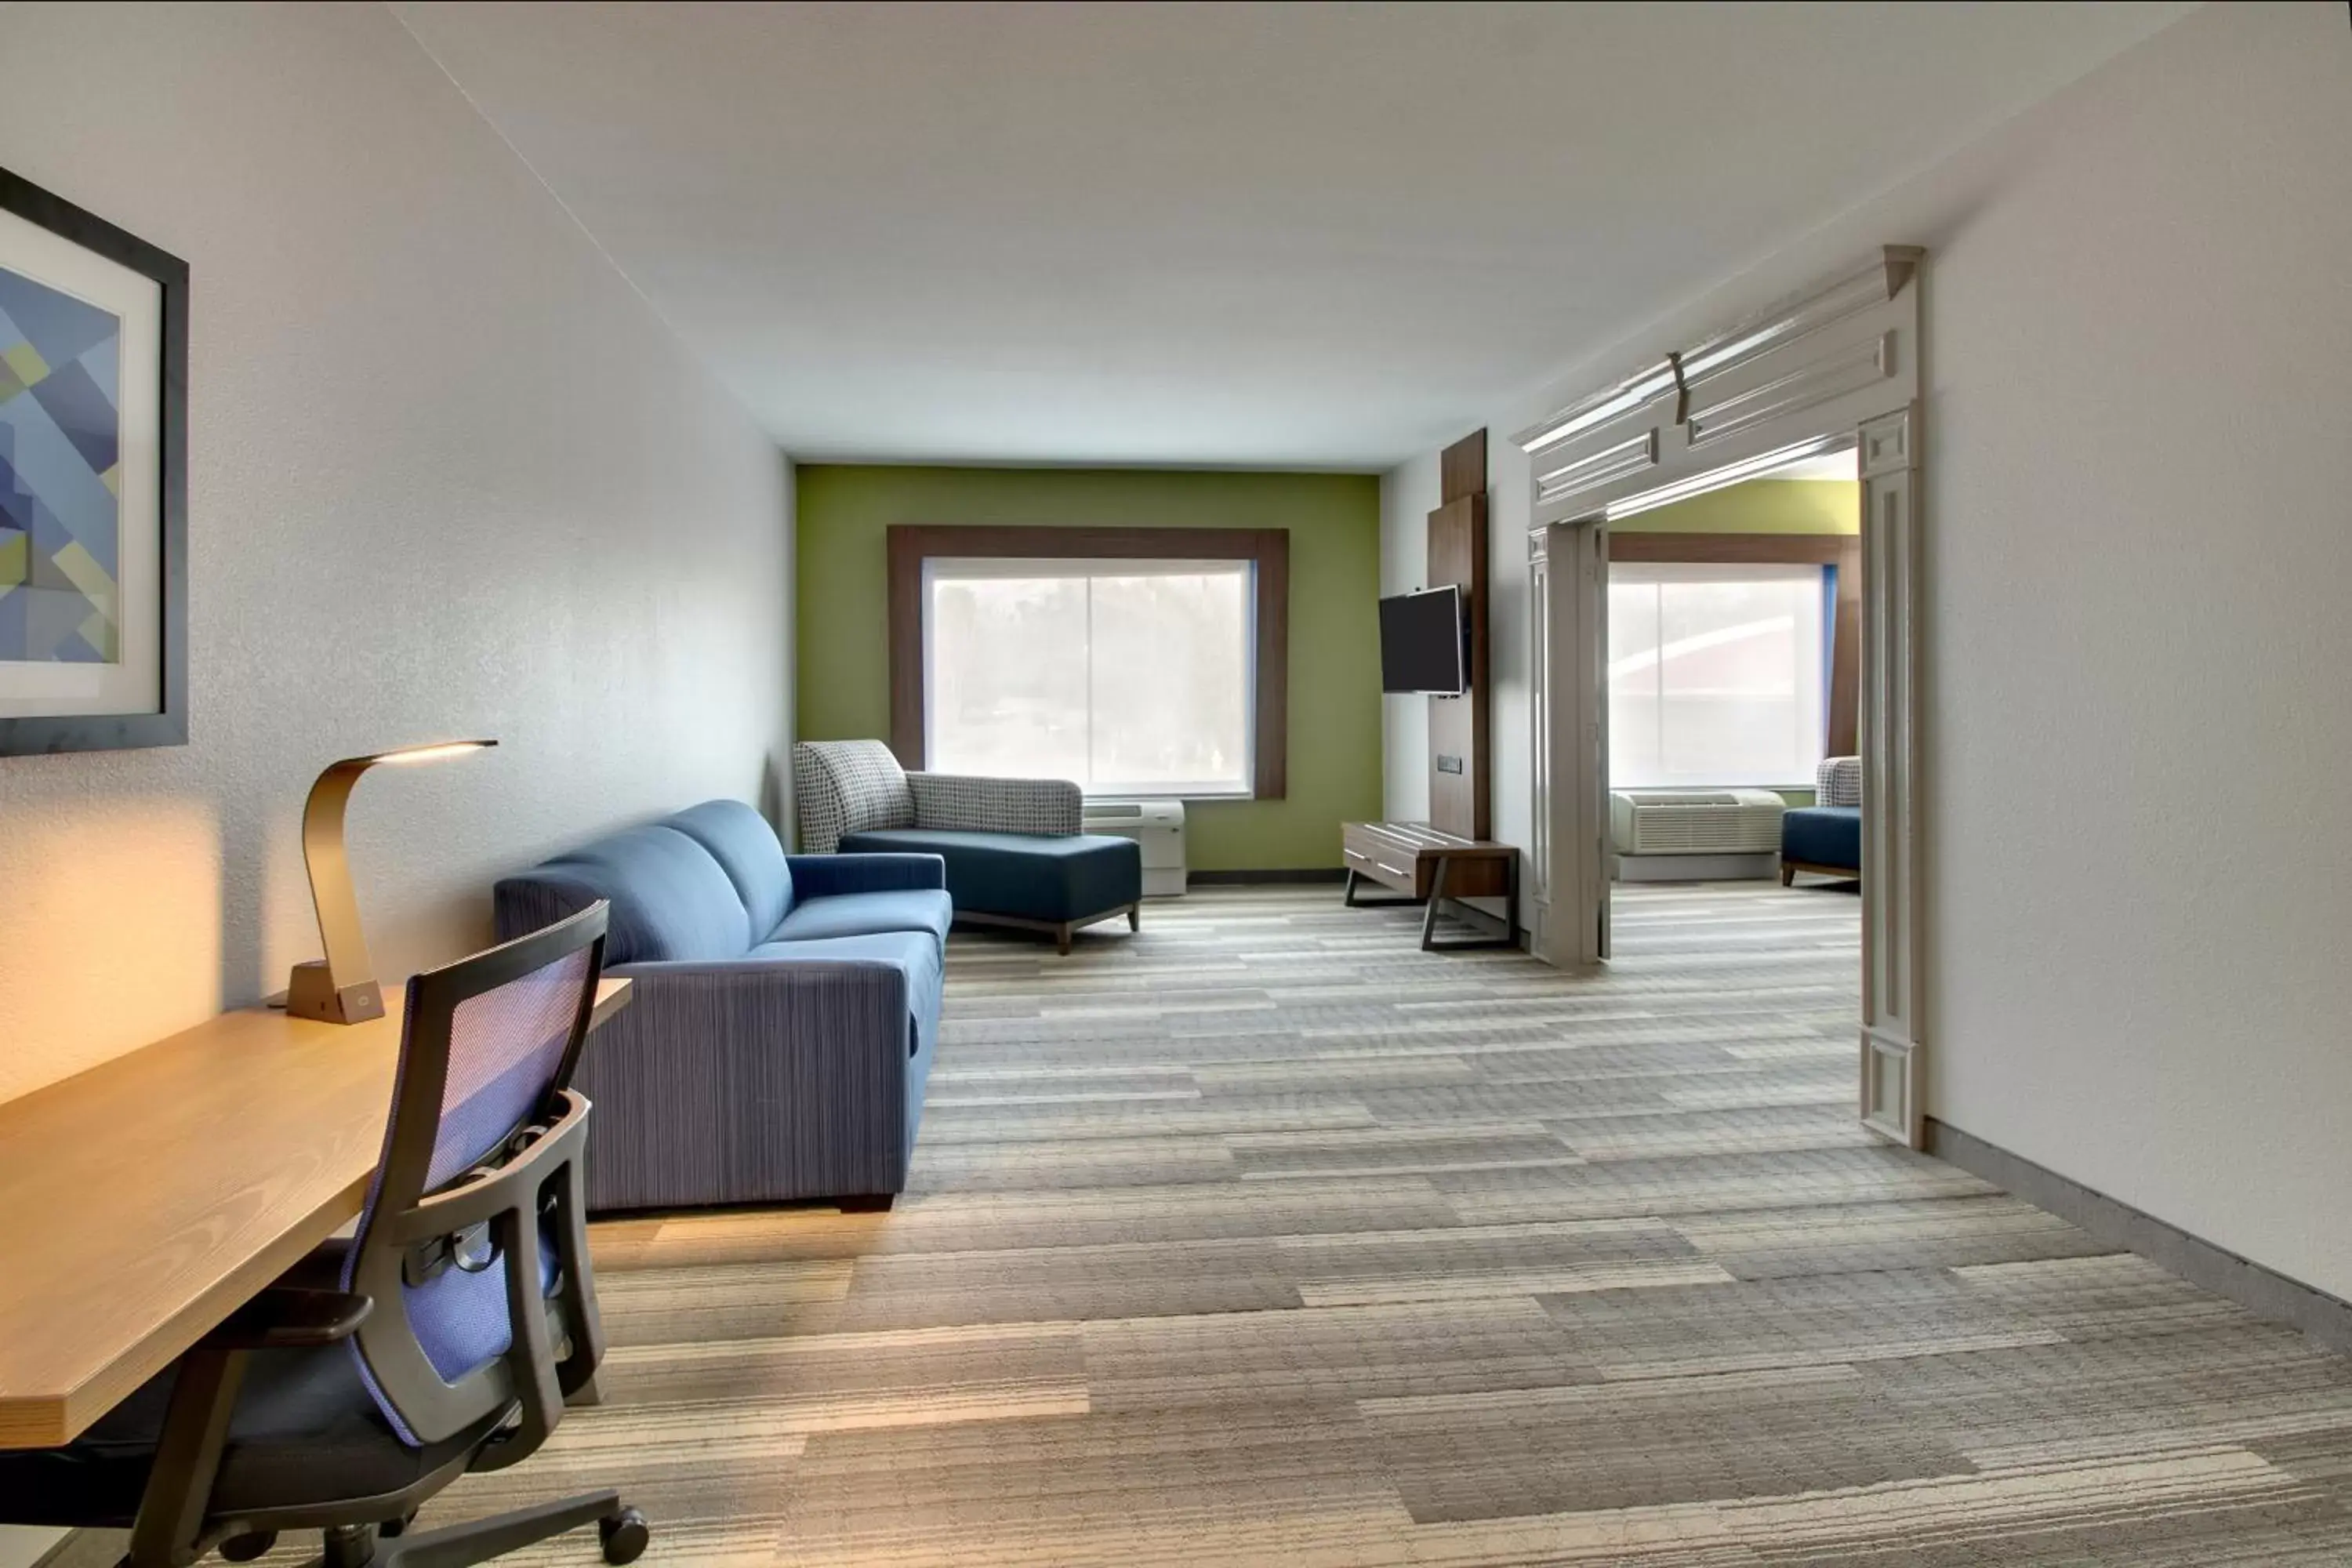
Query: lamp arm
{"points": [[341, 989], [330, 869]]}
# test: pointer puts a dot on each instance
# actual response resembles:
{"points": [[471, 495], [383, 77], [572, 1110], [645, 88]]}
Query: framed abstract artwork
{"points": [[93, 481]]}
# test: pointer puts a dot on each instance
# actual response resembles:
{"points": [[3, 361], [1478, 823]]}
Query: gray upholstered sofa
{"points": [[1015, 851], [783, 1018]]}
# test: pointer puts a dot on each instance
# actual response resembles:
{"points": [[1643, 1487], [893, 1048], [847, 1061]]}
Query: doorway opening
{"points": [[1734, 681], [1732, 699], [1669, 666]]}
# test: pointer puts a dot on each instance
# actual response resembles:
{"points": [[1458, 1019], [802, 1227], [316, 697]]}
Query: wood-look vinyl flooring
{"points": [[1265, 1238]]}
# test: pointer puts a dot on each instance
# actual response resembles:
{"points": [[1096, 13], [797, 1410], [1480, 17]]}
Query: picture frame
{"points": [[93, 481]]}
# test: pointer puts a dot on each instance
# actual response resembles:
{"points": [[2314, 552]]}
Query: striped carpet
{"points": [[1264, 1238]]}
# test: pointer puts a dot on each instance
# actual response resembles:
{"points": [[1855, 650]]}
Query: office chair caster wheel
{"points": [[247, 1547], [625, 1536]]}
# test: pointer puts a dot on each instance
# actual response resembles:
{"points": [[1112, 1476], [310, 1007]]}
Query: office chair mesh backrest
{"points": [[510, 1048], [505, 1046]]}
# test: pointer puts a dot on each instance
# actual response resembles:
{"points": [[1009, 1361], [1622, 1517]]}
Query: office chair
{"points": [[443, 1338]]}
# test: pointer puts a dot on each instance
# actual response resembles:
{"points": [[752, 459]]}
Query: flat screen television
{"points": [[1422, 648]]}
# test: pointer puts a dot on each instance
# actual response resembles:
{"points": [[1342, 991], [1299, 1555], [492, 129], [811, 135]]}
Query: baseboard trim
{"points": [[2265, 1292], [1244, 878]]}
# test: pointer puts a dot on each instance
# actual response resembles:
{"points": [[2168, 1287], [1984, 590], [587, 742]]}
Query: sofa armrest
{"points": [[735, 990], [969, 803], [750, 1082], [824, 876]]}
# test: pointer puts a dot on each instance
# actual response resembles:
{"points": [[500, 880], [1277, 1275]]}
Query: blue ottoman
{"points": [[1050, 882], [1825, 839]]}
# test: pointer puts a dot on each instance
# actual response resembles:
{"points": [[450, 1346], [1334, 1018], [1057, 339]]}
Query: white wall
{"points": [[449, 476], [1404, 566], [2139, 361], [2139, 486]]}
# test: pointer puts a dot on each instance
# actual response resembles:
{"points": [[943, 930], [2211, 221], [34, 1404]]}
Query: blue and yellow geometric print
{"points": [[61, 516]]}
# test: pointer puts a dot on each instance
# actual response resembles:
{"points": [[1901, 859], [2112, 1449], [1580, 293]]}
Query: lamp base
{"points": [[311, 992]]}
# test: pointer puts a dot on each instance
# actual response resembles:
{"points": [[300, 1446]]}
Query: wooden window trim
{"points": [[1266, 549], [1843, 551]]}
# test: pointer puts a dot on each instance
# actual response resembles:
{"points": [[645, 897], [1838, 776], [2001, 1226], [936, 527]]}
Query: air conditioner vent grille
{"points": [[1695, 822]]}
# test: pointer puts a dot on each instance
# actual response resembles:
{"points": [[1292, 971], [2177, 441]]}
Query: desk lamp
{"points": [[341, 988]]}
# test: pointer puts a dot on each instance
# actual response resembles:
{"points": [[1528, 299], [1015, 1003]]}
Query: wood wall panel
{"points": [[1460, 799], [1461, 468], [1459, 803]]}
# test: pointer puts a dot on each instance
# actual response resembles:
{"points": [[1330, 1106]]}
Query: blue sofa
{"points": [[783, 1018], [1014, 850], [1825, 837]]}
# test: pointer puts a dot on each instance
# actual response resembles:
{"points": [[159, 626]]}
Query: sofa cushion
{"points": [[670, 899], [1029, 876], [864, 914], [745, 846], [1823, 835]]}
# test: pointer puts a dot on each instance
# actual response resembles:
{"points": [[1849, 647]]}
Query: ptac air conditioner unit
{"points": [[1156, 824], [1662, 834], [1694, 821]]}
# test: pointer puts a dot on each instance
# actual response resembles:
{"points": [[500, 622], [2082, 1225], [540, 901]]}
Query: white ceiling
{"points": [[1280, 234]]}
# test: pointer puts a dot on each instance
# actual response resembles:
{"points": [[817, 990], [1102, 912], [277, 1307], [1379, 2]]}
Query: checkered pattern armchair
{"points": [[841, 787], [1838, 782]]}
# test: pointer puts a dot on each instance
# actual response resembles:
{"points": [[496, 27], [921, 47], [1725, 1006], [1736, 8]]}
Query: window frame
{"points": [[1266, 549]]}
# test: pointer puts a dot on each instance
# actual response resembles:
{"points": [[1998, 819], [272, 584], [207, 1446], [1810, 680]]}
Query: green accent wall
{"points": [[1759, 506], [843, 667]]}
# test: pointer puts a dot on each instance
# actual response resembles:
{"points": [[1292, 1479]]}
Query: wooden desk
{"points": [[1429, 866], [144, 1200]]}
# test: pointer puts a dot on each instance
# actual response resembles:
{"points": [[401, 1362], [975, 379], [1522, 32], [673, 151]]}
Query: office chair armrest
{"points": [[287, 1318]]}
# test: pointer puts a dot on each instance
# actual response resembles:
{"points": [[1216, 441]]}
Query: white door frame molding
{"points": [[1568, 591], [1834, 368]]}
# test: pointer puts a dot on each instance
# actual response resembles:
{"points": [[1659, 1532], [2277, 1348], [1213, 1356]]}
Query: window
{"points": [[1132, 677], [1716, 674], [1260, 556]]}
